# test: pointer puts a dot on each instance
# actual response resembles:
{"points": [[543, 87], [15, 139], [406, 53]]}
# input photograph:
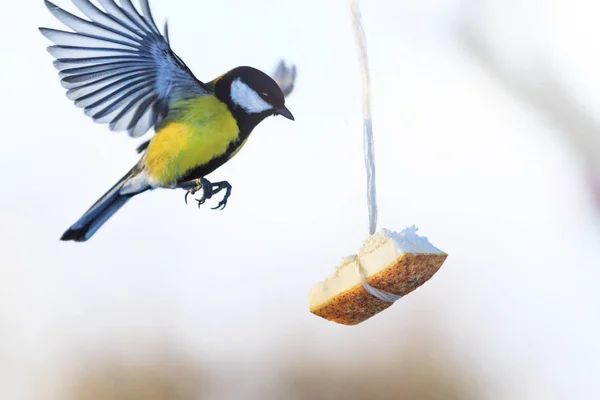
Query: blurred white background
{"points": [[487, 133]]}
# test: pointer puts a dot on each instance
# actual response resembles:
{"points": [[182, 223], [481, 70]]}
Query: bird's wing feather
{"points": [[117, 65], [285, 77]]}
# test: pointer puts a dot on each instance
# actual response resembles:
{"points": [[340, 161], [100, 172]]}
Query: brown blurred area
{"points": [[164, 376], [421, 371]]}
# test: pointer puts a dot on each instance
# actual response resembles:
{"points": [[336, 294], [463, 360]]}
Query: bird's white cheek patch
{"points": [[247, 98]]}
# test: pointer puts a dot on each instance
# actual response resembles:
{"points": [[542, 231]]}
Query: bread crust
{"points": [[356, 305]]}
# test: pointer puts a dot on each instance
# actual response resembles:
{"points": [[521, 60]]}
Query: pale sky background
{"points": [[484, 174]]}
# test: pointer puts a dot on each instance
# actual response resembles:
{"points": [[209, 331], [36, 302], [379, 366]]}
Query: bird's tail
{"points": [[104, 208]]}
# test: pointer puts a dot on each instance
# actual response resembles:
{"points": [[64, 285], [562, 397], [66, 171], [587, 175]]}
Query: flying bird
{"points": [[121, 70]]}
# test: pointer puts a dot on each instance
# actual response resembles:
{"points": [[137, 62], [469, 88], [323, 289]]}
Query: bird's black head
{"points": [[251, 96]]}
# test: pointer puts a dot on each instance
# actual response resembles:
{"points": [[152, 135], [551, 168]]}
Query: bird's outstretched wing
{"points": [[285, 77], [118, 66]]}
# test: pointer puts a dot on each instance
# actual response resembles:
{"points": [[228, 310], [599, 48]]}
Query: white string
{"points": [[373, 291], [368, 148], [368, 143]]}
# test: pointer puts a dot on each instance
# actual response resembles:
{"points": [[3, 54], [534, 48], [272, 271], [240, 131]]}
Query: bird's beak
{"points": [[284, 112]]}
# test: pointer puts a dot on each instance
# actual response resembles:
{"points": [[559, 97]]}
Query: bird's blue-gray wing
{"points": [[117, 65], [285, 77]]}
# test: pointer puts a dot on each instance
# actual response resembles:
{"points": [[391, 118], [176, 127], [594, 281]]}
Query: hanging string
{"points": [[368, 143], [368, 149], [373, 291]]}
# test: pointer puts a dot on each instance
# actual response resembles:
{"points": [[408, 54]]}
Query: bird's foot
{"points": [[208, 191], [194, 186], [217, 187]]}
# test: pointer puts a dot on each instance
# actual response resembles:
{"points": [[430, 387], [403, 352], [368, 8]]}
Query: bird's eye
{"points": [[265, 94]]}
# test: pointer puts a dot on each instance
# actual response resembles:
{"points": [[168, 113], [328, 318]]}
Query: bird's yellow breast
{"points": [[198, 131]]}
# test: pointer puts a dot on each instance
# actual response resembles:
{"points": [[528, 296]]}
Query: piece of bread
{"points": [[397, 263]]}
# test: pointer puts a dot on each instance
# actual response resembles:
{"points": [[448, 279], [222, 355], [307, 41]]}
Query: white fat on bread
{"points": [[397, 263]]}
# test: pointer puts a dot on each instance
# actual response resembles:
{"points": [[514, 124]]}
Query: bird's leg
{"points": [[195, 185], [192, 186], [217, 187], [208, 190]]}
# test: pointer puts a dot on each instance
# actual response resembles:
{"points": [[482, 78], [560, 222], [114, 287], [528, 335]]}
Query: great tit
{"points": [[121, 70]]}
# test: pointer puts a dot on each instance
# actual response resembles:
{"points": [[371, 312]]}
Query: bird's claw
{"points": [[200, 201], [221, 206], [217, 187], [191, 191], [208, 191]]}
